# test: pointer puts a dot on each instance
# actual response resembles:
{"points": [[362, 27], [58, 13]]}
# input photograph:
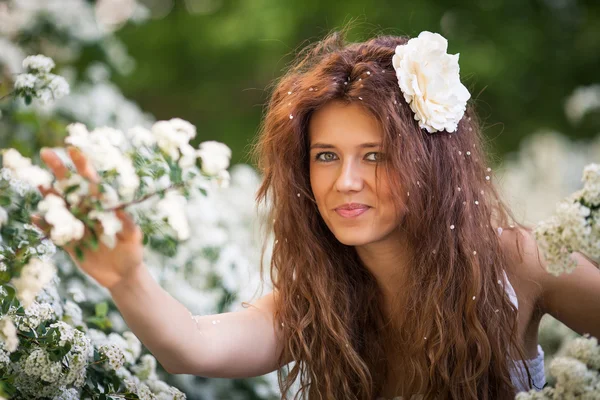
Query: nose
{"points": [[350, 177]]}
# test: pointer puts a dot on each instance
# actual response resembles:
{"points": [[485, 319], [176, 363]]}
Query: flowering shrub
{"points": [[212, 271], [574, 227], [38, 345], [547, 168]]}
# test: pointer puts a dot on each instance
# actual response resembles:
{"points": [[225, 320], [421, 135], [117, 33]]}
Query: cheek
{"points": [[390, 213], [319, 185]]}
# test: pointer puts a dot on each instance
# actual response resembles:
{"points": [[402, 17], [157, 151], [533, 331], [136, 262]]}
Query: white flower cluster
{"points": [[582, 101], [577, 373], [114, 355], [35, 314], [104, 148], [65, 226], [20, 168], [546, 168], [127, 344], [574, 227], [430, 82], [8, 335], [76, 20], [39, 82], [36, 375], [172, 208], [34, 276]]}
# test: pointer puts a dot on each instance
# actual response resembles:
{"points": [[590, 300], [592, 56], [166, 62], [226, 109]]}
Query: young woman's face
{"points": [[345, 147]]}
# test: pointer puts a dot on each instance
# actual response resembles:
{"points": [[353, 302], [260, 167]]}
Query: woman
{"points": [[396, 267]]}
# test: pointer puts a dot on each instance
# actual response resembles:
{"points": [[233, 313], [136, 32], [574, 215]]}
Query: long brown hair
{"points": [[455, 327]]}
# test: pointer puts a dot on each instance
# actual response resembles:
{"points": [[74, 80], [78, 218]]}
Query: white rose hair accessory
{"points": [[430, 82]]}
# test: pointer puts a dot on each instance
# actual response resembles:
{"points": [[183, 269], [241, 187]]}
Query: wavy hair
{"points": [[456, 327]]}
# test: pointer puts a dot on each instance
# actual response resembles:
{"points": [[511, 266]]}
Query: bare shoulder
{"points": [[264, 304], [526, 265], [572, 297]]}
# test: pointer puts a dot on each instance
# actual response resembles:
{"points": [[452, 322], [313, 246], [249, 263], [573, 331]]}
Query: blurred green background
{"points": [[211, 61]]}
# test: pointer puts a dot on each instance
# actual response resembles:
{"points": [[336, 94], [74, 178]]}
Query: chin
{"points": [[350, 239]]}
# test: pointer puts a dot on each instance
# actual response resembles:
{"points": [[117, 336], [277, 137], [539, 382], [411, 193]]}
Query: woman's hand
{"points": [[107, 266]]}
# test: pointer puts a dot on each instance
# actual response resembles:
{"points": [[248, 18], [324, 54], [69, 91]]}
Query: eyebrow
{"points": [[330, 146]]}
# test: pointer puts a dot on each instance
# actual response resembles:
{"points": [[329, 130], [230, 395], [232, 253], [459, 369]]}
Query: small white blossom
{"points": [[172, 135], [172, 208], [67, 332], [68, 394], [215, 157], [114, 354], [21, 169], [141, 137], [8, 335], [25, 81], [65, 227], [39, 64], [583, 100], [58, 86], [111, 225], [586, 350], [72, 313], [146, 369], [34, 276], [77, 294], [38, 364], [35, 314]]}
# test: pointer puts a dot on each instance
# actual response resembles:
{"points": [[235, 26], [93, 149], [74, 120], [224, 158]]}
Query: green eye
{"points": [[325, 156]]}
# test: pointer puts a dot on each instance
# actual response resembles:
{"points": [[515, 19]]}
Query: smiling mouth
{"points": [[352, 212]]}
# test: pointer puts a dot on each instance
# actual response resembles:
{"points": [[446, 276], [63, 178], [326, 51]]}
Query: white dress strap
{"points": [[510, 291]]}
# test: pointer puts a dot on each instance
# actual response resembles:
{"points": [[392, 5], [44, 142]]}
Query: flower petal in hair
{"points": [[430, 82]]}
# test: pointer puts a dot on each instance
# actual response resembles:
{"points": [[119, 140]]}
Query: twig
{"points": [[7, 95], [145, 197]]}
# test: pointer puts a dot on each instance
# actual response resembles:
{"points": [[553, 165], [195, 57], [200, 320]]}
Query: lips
{"points": [[351, 210]]}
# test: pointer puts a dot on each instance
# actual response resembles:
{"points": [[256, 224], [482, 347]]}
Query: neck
{"points": [[388, 260]]}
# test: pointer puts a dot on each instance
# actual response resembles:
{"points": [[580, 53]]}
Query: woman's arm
{"points": [[573, 298], [228, 345]]}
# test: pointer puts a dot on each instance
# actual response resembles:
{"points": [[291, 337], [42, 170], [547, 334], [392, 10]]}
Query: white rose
{"points": [[215, 157], [430, 82]]}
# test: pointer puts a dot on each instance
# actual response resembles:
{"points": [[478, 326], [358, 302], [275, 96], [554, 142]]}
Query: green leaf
{"points": [[93, 241], [28, 99], [71, 189], [101, 323], [101, 309], [58, 353], [79, 253]]}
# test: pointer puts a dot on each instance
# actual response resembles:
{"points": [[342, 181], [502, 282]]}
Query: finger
{"points": [[46, 191], [38, 221], [55, 164], [130, 228], [85, 169]]}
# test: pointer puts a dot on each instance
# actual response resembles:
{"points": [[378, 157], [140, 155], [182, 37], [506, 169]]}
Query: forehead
{"points": [[340, 122]]}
